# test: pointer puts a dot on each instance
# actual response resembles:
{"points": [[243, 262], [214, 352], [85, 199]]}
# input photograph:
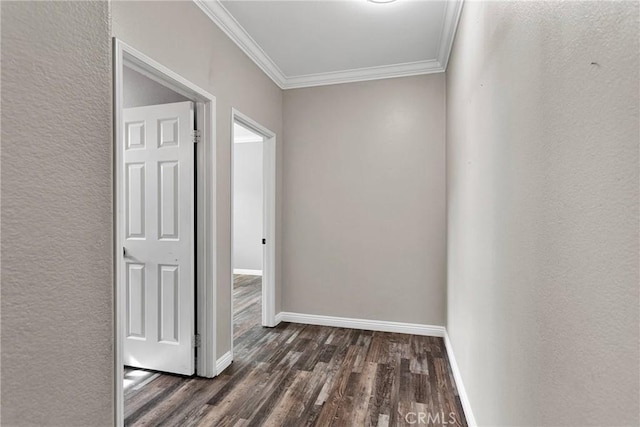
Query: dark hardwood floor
{"points": [[302, 375]]}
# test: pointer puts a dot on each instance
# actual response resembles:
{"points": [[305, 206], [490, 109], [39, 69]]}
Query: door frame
{"points": [[125, 55], [268, 216]]}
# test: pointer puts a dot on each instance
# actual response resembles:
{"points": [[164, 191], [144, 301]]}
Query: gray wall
{"points": [[247, 205], [56, 243], [139, 90], [364, 207], [542, 149], [213, 62]]}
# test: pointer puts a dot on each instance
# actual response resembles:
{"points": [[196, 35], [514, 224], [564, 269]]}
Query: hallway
{"points": [[302, 375]]}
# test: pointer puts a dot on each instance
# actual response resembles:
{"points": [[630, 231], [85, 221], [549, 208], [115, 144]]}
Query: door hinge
{"points": [[196, 340], [196, 136], [264, 241]]}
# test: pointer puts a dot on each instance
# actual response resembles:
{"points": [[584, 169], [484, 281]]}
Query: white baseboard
{"points": [[224, 362], [278, 319], [247, 272], [464, 398], [369, 325], [386, 326]]}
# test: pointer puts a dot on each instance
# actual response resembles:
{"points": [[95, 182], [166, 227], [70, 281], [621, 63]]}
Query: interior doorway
{"points": [[158, 228], [253, 225], [164, 224], [248, 228]]}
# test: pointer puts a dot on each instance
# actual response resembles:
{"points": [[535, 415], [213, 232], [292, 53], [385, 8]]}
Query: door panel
{"points": [[135, 300], [159, 237], [169, 307], [135, 200], [168, 177]]}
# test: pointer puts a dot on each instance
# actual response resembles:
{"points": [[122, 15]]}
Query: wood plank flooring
{"points": [[303, 375]]}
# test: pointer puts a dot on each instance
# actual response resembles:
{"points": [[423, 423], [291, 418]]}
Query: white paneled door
{"points": [[158, 234]]}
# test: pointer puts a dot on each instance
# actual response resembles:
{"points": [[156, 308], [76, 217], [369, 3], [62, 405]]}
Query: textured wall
{"points": [[542, 148], [364, 207], [57, 322], [181, 37], [247, 205]]}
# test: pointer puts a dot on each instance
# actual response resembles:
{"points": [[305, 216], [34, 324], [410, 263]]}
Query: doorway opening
{"points": [[248, 228], [253, 180], [164, 224]]}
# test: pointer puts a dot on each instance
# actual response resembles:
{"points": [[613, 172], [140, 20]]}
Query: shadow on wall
{"points": [[139, 91]]}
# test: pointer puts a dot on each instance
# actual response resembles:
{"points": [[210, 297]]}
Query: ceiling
{"points": [[310, 43]]}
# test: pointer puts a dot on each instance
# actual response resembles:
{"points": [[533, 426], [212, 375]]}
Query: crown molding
{"points": [[452, 11], [364, 74], [228, 24]]}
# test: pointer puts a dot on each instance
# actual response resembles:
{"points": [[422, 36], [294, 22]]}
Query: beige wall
{"points": [[139, 90], [195, 48], [57, 322], [542, 148], [364, 200]]}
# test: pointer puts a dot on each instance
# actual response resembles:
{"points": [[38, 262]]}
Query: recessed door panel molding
{"points": [[159, 238], [135, 135], [135, 218], [168, 176], [168, 133], [169, 317], [135, 301]]}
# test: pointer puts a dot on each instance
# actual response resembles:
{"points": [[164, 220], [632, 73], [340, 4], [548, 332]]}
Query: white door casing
{"points": [[269, 217], [158, 235]]}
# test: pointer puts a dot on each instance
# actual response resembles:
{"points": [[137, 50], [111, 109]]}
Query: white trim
{"points": [[278, 319], [462, 392], [207, 241], [247, 272], [118, 297], [230, 26], [452, 11], [364, 74], [223, 362], [269, 218], [247, 139], [369, 325], [206, 214]]}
